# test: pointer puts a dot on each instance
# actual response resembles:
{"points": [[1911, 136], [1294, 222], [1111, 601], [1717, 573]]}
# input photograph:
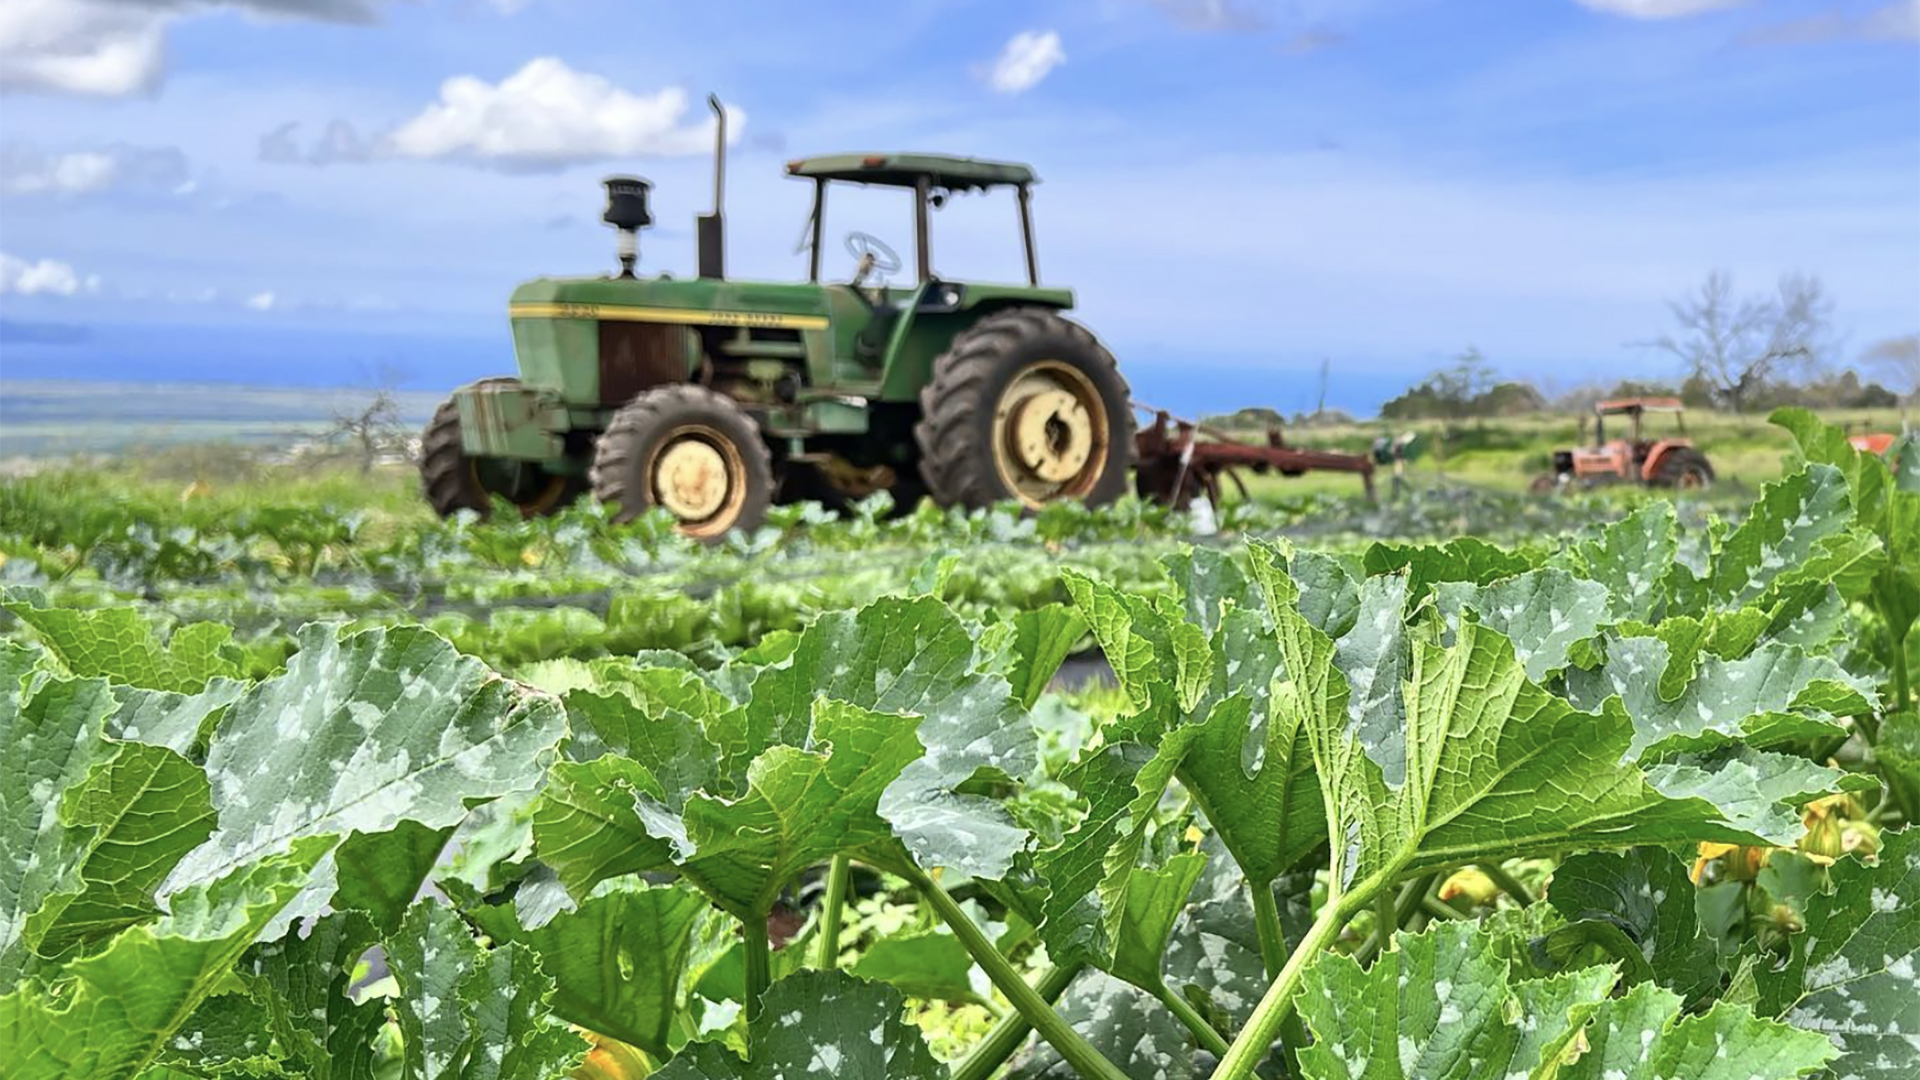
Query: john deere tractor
{"points": [[714, 397]]}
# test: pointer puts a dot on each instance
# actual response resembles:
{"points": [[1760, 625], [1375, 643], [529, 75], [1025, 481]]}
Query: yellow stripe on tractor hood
{"points": [[766, 320]]}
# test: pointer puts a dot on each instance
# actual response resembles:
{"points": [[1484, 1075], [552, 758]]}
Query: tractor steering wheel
{"points": [[873, 255]]}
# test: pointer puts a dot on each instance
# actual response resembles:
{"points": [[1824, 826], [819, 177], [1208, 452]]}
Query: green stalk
{"points": [[1266, 921], [1273, 956], [1088, 1062], [1386, 919], [759, 962], [1507, 882], [1256, 1039], [1007, 1036], [830, 915], [1899, 665], [1184, 1012]]}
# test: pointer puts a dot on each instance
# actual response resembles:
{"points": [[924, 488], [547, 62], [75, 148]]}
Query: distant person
{"points": [[1402, 450]]}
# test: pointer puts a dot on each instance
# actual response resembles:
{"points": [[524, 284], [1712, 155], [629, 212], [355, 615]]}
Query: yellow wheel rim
{"points": [[699, 476], [1050, 434]]}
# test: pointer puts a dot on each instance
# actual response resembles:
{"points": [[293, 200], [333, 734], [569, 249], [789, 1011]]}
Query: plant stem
{"points": [[1386, 919], [1273, 956], [1209, 1039], [1899, 664], [1507, 882], [1089, 1063], [993, 1051], [759, 962], [1438, 908], [1256, 1039], [1403, 909], [830, 915], [1266, 922]]}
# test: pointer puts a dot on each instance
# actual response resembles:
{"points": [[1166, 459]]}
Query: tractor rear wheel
{"points": [[454, 480], [1025, 405], [1684, 469], [690, 450]]}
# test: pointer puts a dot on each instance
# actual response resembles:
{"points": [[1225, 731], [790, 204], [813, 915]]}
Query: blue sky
{"points": [[295, 190]]}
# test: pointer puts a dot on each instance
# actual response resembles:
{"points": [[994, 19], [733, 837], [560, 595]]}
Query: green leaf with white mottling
{"points": [[363, 731], [585, 827], [1629, 559], [915, 657], [51, 729], [1854, 973], [142, 810], [1645, 892], [1480, 745], [1642, 1036], [1124, 1023], [1464, 558], [819, 1023], [1544, 612], [300, 982], [111, 1014], [1786, 530], [801, 806], [1086, 876], [471, 1013], [1758, 791], [180, 722], [120, 645], [617, 960], [1209, 583], [1439, 1006], [1775, 694]]}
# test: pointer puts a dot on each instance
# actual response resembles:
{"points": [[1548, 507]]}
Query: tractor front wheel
{"points": [[690, 450], [1025, 405], [1683, 469], [454, 480]]}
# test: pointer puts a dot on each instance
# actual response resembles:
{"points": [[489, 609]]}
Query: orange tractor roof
{"points": [[1640, 404]]}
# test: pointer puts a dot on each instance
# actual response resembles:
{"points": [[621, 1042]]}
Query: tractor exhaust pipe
{"points": [[711, 229]]}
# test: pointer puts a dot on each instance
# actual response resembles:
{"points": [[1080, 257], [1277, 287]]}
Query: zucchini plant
{"points": [[1311, 841]]}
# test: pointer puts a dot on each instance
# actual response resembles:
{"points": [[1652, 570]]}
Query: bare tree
{"points": [[373, 425], [1899, 357], [1737, 345], [370, 427]]}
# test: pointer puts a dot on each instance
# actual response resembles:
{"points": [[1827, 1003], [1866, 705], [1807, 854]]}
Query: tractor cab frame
{"points": [[932, 178]]}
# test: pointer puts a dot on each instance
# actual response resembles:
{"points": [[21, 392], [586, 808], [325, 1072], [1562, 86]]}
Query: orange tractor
{"points": [[1667, 462]]}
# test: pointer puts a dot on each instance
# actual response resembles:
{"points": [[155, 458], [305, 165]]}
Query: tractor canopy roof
{"points": [[907, 170], [1639, 404]]}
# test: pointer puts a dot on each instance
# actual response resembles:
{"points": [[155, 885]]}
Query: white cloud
{"points": [[25, 170], [1027, 59], [1658, 9], [547, 115], [260, 302], [45, 277], [1898, 21], [112, 48]]}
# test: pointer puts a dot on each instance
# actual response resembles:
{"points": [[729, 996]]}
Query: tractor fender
{"points": [[507, 419], [1657, 453]]}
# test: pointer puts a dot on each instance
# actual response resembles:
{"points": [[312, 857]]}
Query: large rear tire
{"points": [[1683, 469], [690, 450], [454, 480], [1025, 405]]}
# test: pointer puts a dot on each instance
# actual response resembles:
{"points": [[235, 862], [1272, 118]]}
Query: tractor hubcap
{"points": [[697, 476], [1050, 434]]}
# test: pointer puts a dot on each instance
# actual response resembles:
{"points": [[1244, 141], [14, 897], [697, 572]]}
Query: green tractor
{"points": [[715, 398]]}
